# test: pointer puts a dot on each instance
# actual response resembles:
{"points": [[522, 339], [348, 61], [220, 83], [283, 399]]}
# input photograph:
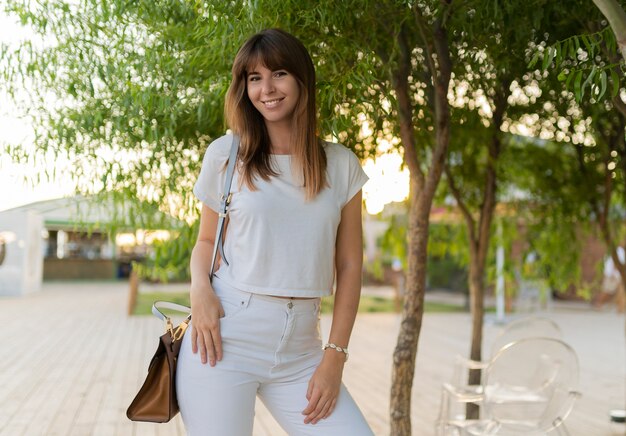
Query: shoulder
{"points": [[220, 147], [338, 152], [217, 152]]}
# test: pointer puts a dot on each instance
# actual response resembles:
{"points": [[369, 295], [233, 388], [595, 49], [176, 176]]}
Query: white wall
{"points": [[21, 272], [372, 230]]}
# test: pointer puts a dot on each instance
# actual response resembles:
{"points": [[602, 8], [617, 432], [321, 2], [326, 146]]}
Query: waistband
{"points": [[296, 304]]}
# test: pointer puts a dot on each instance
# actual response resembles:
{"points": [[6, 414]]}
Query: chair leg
{"points": [[442, 420], [560, 428]]}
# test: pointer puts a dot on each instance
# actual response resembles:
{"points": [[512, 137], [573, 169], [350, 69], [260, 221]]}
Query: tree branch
{"points": [[619, 104], [458, 196], [442, 108], [405, 109], [583, 170], [419, 20], [494, 148]]}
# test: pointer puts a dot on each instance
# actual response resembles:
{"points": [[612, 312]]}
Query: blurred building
{"points": [[68, 239]]}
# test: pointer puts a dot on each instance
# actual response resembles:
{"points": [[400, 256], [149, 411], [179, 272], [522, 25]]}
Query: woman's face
{"points": [[274, 94]]}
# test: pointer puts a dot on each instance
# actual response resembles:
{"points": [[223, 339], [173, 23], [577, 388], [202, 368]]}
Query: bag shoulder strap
{"points": [[219, 234], [224, 205]]}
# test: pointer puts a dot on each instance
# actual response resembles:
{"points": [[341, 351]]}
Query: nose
{"points": [[268, 87]]}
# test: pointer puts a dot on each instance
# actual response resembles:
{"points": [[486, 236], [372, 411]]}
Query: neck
{"points": [[280, 137]]}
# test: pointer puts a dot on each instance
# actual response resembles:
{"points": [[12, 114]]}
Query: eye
{"points": [[280, 73], [253, 78]]}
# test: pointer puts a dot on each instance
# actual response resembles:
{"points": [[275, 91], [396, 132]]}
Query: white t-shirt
{"points": [[276, 243]]}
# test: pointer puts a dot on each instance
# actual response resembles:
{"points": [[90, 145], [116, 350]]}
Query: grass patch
{"points": [[368, 304], [145, 300]]}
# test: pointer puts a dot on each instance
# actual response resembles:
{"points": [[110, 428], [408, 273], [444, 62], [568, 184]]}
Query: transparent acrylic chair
{"points": [[528, 388], [461, 384], [527, 327]]}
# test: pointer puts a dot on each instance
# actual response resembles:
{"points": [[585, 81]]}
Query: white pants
{"points": [[271, 348]]}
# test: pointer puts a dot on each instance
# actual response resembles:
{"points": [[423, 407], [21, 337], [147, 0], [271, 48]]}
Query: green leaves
{"points": [[615, 82], [549, 56], [585, 61], [580, 92], [603, 84]]}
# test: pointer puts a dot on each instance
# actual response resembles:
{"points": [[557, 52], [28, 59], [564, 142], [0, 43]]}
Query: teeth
{"points": [[271, 103]]}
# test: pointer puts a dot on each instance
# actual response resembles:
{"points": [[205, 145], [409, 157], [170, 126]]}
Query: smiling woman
{"points": [[294, 225]]}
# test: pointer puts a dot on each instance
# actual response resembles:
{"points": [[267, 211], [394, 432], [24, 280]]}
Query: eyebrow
{"points": [[273, 71]]}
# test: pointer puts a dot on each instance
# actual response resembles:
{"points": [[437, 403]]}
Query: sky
{"points": [[14, 189], [19, 184]]}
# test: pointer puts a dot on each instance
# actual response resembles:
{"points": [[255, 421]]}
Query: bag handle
{"points": [[219, 235], [157, 305]]}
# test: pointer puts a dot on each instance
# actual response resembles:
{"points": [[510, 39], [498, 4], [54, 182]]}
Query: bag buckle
{"points": [[176, 333], [169, 327], [180, 330], [227, 200]]}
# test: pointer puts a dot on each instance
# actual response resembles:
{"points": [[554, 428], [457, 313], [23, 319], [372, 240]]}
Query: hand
{"points": [[324, 387], [206, 311]]}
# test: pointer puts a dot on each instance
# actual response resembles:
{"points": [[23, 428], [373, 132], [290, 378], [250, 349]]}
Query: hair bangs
{"points": [[269, 54]]}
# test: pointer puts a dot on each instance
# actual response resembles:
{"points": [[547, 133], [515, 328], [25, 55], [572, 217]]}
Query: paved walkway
{"points": [[71, 361]]}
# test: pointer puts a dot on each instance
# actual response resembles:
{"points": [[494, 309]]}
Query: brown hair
{"points": [[276, 49]]}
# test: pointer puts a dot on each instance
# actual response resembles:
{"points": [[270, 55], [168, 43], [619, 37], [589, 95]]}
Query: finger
{"points": [[213, 336], [208, 340], [333, 403], [309, 390], [317, 412], [194, 338], [315, 397], [202, 347], [323, 412], [216, 335]]}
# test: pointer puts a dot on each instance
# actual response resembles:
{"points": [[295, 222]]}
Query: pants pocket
{"points": [[233, 300]]}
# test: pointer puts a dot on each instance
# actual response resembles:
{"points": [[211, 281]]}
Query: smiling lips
{"points": [[269, 104]]}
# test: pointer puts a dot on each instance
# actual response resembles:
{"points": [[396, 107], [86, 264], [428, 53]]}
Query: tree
{"points": [[488, 74]]}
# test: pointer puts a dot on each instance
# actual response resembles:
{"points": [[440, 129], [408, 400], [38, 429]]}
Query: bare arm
{"points": [[349, 265], [325, 383], [205, 306]]}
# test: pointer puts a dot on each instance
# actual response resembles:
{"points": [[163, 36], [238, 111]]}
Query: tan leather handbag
{"points": [[156, 400]]}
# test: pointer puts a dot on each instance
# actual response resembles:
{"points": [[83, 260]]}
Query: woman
{"points": [[294, 219]]}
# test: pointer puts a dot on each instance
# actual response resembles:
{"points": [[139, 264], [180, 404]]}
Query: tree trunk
{"points": [[477, 293], [406, 348], [476, 274], [422, 192]]}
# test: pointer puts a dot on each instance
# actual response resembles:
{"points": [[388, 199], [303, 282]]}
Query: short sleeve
{"points": [[210, 181], [356, 177]]}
